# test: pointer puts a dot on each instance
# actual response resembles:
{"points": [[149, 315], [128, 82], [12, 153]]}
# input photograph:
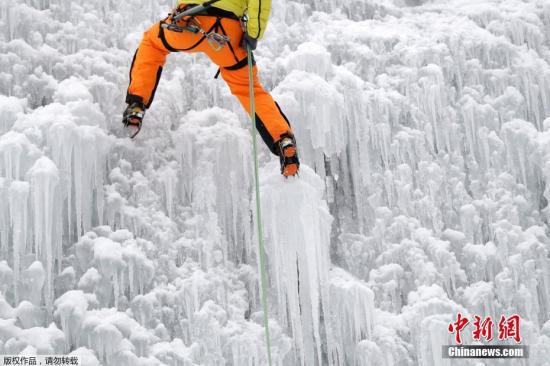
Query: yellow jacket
{"points": [[257, 12]]}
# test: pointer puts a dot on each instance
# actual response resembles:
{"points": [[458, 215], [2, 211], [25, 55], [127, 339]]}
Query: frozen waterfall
{"points": [[423, 129]]}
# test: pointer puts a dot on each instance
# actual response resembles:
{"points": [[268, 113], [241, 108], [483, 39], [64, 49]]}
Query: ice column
{"points": [[4, 218], [71, 308], [297, 228], [17, 153], [432, 102], [352, 303], [44, 178], [108, 259], [80, 153], [168, 176], [18, 201]]}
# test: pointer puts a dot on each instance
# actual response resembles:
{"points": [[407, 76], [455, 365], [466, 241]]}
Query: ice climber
{"points": [[219, 31]]}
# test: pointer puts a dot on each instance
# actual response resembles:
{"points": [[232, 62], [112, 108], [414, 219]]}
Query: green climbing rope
{"points": [[263, 275]]}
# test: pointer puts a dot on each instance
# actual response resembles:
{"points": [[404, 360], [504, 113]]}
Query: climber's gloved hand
{"points": [[248, 41], [133, 117]]}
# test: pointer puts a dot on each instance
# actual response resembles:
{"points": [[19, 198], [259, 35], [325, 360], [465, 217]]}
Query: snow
{"points": [[423, 132]]}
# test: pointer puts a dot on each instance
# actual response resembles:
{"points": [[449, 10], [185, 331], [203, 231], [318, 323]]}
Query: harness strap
{"points": [[217, 12], [162, 37], [228, 43], [239, 65]]}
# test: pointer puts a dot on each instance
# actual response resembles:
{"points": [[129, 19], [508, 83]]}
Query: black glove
{"points": [[132, 118], [248, 41]]}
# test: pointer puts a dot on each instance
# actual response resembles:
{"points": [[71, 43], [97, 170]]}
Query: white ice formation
{"points": [[424, 134]]}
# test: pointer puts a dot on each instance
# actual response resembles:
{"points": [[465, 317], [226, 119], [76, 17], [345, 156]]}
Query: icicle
{"points": [[33, 279], [142, 308], [62, 154], [520, 140], [168, 176], [381, 136], [44, 178], [434, 335], [427, 316], [433, 101], [5, 224], [18, 198], [70, 309], [17, 154], [352, 303], [108, 256], [140, 269], [214, 155], [80, 153], [106, 339]]}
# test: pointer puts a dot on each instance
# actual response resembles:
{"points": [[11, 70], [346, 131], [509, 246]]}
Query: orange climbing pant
{"points": [[232, 59]]}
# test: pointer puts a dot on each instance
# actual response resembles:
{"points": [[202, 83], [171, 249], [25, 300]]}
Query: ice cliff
{"points": [[424, 132]]}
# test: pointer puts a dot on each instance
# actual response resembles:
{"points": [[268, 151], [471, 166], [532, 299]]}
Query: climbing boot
{"points": [[133, 117], [288, 155]]}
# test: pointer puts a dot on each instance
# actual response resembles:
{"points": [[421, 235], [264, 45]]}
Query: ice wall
{"points": [[423, 133]]}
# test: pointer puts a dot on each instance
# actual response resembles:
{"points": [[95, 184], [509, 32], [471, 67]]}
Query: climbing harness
{"points": [[263, 274], [216, 40]]}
